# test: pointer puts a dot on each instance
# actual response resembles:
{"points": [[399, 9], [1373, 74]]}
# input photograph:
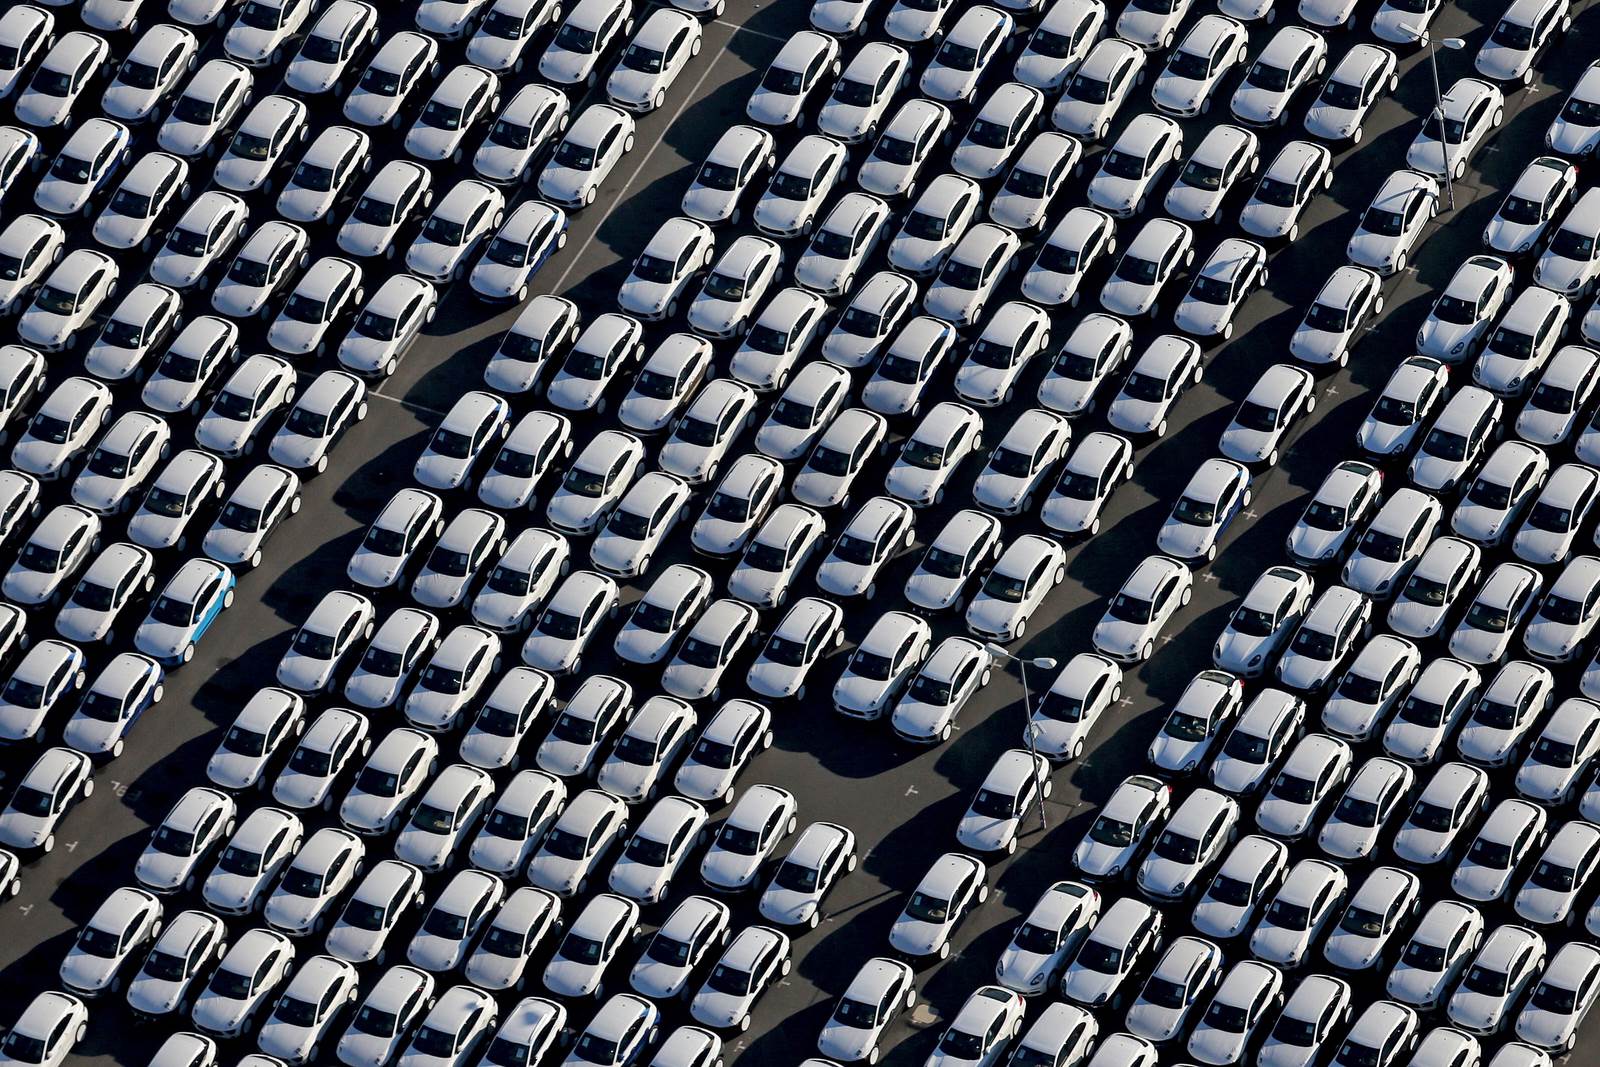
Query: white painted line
{"points": [[420, 409], [683, 102]]}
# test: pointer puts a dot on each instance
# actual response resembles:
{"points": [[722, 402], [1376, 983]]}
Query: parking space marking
{"points": [[621, 194], [409, 405]]}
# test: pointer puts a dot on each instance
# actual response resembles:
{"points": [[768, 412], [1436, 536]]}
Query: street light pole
{"points": [[1044, 663], [1452, 43]]}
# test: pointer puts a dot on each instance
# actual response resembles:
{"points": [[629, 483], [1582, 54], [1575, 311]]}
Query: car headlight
{"points": [[1457, 348], [1180, 888], [1256, 659], [1191, 763]]}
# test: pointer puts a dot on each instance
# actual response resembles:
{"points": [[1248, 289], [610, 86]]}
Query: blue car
{"points": [[184, 611], [128, 686], [529, 237]]}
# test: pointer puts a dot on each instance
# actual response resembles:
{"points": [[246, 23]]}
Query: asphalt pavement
{"points": [[902, 801]]}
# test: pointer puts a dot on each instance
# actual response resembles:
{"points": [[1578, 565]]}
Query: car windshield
{"points": [[173, 612], [1005, 587], [926, 227], [132, 73], [1139, 271], [727, 287], [1514, 35], [1231, 891], [986, 134], [58, 301], [1487, 617], [1276, 193], [853, 549], [1289, 916], [1109, 831], [1264, 75], [1088, 89], [1362, 922], [443, 231], [508, 252], [1246, 747], [1201, 176], [32, 802], [1129, 608], [1253, 622], [1562, 609], [1553, 753], [1495, 855], [718, 176], [1165, 993], [1100, 957], [374, 1021], [194, 110], [575, 156], [1357, 812], [312, 762], [1422, 712], [783, 81], [71, 169], [1342, 95], [1177, 847], [432, 1042], [1379, 545], [1209, 290], [1190, 66], [1195, 512], [1294, 789], [442, 116], [1554, 998], [833, 244], [1187, 727], [1383, 222], [1510, 342], [1445, 445], [1487, 980], [23, 694], [241, 517], [952, 54], [1581, 112]]}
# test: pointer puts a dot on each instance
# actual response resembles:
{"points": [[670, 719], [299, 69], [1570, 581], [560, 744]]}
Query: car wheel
{"points": [[188, 652], [944, 950], [945, 731], [49, 844], [1148, 650]]}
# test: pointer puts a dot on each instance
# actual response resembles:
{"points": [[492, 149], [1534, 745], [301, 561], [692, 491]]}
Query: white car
{"points": [[1291, 61], [1234, 270], [841, 245], [737, 284], [1215, 169], [1258, 428], [1450, 135], [1004, 121], [1207, 706], [741, 156], [1207, 55], [879, 992], [810, 171], [1060, 43], [69, 67], [1290, 182], [30, 246], [1523, 32], [805, 62], [1160, 249], [1152, 25], [901, 152], [653, 60], [83, 168], [1084, 237], [68, 299], [1168, 365], [1266, 616], [1500, 974], [1131, 168], [1217, 491], [1334, 323], [680, 249], [586, 155], [404, 61], [1015, 587], [1363, 75], [264, 29], [1244, 882], [936, 222], [1100, 86], [877, 312], [953, 886], [1141, 609]]}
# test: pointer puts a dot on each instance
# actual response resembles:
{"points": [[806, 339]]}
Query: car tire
{"points": [[188, 653], [1147, 651]]}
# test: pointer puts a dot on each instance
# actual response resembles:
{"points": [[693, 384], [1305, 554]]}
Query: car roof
{"points": [[1294, 159]]}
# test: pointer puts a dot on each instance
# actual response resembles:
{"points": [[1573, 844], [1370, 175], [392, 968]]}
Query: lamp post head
{"points": [[1455, 44], [1044, 663]]}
